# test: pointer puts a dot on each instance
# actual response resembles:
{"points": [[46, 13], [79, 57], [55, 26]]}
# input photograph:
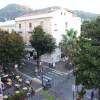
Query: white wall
{"points": [[52, 58], [46, 24], [63, 20], [8, 25]]}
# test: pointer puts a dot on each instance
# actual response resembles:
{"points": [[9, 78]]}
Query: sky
{"points": [[85, 5]]}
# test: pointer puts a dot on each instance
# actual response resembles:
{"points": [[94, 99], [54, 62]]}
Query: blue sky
{"points": [[86, 5]]}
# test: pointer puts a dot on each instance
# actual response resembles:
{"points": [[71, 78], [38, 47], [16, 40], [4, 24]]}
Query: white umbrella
{"points": [[28, 82], [20, 80], [17, 85], [24, 88], [9, 80], [9, 83], [17, 92], [5, 96], [17, 77], [5, 76]]}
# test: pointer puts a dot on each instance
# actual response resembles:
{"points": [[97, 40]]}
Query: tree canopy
{"points": [[42, 42], [68, 43], [87, 58], [11, 48]]}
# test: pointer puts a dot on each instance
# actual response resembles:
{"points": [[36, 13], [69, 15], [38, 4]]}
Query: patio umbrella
{"points": [[20, 80], [17, 92], [9, 83], [9, 80], [5, 76], [28, 82], [17, 77], [5, 96], [24, 88], [17, 85]]}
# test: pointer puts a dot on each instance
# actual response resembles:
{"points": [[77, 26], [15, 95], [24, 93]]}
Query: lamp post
{"points": [[73, 90], [1, 92], [41, 72]]}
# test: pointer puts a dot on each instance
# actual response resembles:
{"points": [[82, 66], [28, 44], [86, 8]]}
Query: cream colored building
{"points": [[54, 20], [8, 25]]}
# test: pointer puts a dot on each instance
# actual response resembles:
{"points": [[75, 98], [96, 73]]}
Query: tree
{"points": [[87, 58], [42, 42], [68, 43], [11, 49]]}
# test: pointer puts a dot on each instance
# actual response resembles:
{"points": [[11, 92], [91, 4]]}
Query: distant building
{"points": [[8, 25], [54, 20]]}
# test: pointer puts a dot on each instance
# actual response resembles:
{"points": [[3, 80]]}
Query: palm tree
{"points": [[68, 43]]}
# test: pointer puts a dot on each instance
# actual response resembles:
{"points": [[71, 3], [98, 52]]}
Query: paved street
{"points": [[61, 83]]}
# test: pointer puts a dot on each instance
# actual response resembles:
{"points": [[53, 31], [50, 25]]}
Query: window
{"points": [[66, 24], [41, 23], [30, 25], [20, 26], [55, 30], [55, 24]]}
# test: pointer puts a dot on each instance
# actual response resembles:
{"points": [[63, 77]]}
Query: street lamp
{"points": [[73, 90], [41, 72]]}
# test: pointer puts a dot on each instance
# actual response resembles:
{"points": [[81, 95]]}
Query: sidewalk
{"points": [[59, 66]]}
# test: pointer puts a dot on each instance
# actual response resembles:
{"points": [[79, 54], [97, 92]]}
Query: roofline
{"points": [[33, 17]]}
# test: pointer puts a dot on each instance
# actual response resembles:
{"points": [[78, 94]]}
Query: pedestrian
{"points": [[92, 95], [53, 64], [30, 82]]}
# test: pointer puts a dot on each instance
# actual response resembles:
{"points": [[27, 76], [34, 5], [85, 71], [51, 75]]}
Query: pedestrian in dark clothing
{"points": [[92, 95]]}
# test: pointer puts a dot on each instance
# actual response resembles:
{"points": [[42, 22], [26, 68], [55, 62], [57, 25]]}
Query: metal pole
{"points": [[42, 75], [73, 95], [1, 92]]}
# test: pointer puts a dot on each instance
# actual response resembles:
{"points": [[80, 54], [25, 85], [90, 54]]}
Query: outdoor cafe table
{"points": [[24, 88], [28, 82], [17, 92], [20, 80], [5, 96], [17, 77], [9, 80], [5, 76], [17, 85], [9, 83]]}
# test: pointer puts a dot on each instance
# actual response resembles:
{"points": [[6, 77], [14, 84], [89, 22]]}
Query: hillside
{"points": [[85, 15], [13, 10]]}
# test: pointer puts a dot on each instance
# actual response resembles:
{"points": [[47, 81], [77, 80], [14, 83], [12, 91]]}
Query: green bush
{"points": [[18, 96]]}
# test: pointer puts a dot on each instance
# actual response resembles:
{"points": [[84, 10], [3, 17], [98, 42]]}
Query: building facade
{"points": [[8, 25], [54, 20]]}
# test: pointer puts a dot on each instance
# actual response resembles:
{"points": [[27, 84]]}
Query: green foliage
{"points": [[20, 96], [87, 57], [47, 96], [68, 43], [11, 48], [42, 42]]}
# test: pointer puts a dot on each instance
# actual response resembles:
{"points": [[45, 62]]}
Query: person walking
{"points": [[92, 95]]}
